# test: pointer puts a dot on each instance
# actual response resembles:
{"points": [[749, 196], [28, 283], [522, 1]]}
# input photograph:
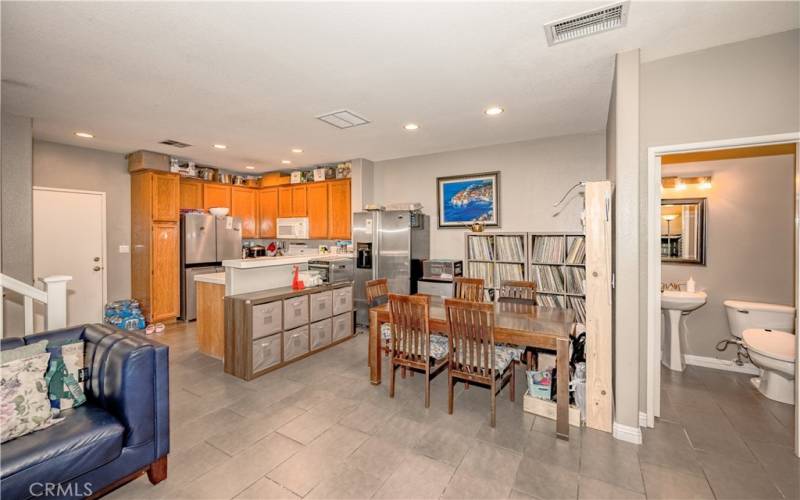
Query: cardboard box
{"points": [[148, 160], [274, 179]]}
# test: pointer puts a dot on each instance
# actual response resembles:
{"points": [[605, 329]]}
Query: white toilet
{"points": [[767, 333]]}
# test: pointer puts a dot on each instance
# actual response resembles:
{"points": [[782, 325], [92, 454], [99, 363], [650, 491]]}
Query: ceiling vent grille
{"points": [[587, 23], [343, 119], [177, 144]]}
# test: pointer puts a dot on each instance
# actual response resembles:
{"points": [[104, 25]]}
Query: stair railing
{"points": [[54, 296]]}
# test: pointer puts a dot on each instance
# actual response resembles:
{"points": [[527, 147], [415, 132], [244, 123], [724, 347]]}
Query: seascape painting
{"points": [[464, 199]]}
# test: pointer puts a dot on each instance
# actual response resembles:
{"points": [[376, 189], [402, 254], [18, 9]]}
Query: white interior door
{"points": [[69, 234]]}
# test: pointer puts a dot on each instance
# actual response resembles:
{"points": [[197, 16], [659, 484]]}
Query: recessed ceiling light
{"points": [[220, 146], [494, 110], [85, 135], [411, 126], [250, 167], [297, 150], [286, 162]]}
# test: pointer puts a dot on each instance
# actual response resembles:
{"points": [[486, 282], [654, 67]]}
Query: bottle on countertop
{"points": [[690, 285]]}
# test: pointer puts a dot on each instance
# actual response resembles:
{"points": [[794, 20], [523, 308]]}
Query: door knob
{"points": [[97, 259], [96, 268]]}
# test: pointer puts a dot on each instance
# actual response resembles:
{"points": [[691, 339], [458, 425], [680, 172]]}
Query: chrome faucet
{"points": [[672, 285]]}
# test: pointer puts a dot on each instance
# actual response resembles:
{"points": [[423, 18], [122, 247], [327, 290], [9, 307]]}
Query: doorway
{"points": [[654, 238], [69, 238]]}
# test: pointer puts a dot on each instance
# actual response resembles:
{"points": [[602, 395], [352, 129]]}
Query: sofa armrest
{"points": [[129, 377]]}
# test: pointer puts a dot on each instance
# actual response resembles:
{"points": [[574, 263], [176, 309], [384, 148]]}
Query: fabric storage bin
{"points": [[320, 333], [295, 312], [342, 300], [267, 319], [295, 343], [342, 326], [266, 352], [321, 306]]}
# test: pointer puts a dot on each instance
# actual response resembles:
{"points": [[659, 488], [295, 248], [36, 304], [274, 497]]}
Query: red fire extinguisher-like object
{"points": [[296, 283]]}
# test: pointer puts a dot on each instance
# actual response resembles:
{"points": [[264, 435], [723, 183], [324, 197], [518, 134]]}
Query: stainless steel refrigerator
{"points": [[388, 244], [205, 242]]}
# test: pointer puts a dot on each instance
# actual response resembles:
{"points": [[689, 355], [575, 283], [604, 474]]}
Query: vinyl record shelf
{"points": [[554, 261]]}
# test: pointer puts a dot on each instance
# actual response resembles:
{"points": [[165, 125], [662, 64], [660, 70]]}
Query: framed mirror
{"points": [[683, 231]]}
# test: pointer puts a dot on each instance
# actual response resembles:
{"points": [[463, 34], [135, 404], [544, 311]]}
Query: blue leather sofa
{"points": [[120, 432]]}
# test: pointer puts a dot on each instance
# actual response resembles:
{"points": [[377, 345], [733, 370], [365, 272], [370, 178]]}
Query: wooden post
{"points": [[599, 302], [56, 288]]}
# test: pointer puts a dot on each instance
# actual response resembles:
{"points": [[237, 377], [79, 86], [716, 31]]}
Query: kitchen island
{"points": [[211, 314], [266, 273]]}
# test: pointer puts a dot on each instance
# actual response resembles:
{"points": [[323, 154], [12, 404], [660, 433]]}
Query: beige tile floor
{"points": [[318, 429]]}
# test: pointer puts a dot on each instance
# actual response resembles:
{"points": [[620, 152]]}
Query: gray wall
{"points": [[623, 168], [750, 245], [16, 213], [69, 167], [743, 89], [534, 175]]}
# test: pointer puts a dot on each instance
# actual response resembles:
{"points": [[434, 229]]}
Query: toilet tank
{"points": [[743, 315]]}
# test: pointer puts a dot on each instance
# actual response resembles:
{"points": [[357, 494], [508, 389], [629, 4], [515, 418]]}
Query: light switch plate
{"points": [[124, 249]]}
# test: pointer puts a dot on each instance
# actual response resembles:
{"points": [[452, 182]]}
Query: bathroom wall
{"points": [[750, 241]]}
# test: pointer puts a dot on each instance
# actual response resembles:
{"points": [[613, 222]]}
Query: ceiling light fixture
{"points": [[297, 150], [494, 110], [411, 126], [250, 167], [220, 146], [85, 135], [286, 162]]}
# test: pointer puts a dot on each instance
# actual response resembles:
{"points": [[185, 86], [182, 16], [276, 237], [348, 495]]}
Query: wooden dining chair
{"points": [[412, 346], [473, 355], [469, 289], [525, 290], [377, 294], [520, 296]]}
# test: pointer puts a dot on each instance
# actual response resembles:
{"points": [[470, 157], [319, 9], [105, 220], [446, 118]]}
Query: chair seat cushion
{"points": [[87, 438], [438, 349], [386, 331], [503, 356]]}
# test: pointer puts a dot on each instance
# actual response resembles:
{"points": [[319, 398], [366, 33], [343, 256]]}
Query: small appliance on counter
{"points": [[437, 276], [333, 269]]}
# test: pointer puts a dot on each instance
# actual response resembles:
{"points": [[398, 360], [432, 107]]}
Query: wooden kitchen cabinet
{"points": [[216, 195], [317, 205], [299, 201], [285, 202], [166, 196], [155, 243], [243, 205], [165, 284], [191, 194], [267, 212], [339, 210]]}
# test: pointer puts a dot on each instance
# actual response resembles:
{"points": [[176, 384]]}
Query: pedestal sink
{"points": [[676, 305]]}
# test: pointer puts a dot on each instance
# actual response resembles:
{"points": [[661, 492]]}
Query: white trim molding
{"points": [[643, 420], [721, 364], [627, 433]]}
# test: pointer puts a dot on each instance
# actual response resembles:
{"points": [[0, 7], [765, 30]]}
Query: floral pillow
{"points": [[24, 406]]}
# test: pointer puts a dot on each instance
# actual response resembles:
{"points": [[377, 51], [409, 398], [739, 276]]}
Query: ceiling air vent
{"points": [[177, 144], [587, 23], [343, 119]]}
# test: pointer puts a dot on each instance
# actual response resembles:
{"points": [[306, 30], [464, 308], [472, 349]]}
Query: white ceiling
{"points": [[254, 75]]}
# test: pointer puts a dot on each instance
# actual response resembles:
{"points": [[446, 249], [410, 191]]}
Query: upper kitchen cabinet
{"points": [[267, 212], [292, 201], [216, 195], [166, 196], [317, 204], [339, 212], [243, 205], [191, 194], [299, 201]]}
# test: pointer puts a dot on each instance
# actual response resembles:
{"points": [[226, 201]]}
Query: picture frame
{"points": [[464, 199]]}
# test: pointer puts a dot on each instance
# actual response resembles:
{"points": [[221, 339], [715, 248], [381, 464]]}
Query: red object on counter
{"points": [[296, 283]]}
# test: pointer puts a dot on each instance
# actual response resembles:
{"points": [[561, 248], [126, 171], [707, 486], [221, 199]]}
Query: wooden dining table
{"points": [[516, 323]]}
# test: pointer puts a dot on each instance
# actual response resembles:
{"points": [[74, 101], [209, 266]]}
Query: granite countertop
{"points": [[265, 296]]}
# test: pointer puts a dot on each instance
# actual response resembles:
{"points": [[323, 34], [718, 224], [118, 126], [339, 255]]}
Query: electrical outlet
{"points": [[124, 249]]}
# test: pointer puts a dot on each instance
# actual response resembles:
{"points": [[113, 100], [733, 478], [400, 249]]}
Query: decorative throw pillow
{"points": [[24, 406], [65, 374]]}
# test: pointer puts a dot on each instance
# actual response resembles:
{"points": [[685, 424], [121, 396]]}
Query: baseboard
{"points": [[627, 433], [643, 419], [721, 364]]}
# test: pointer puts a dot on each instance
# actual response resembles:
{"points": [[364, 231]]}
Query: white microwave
{"points": [[293, 228]]}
